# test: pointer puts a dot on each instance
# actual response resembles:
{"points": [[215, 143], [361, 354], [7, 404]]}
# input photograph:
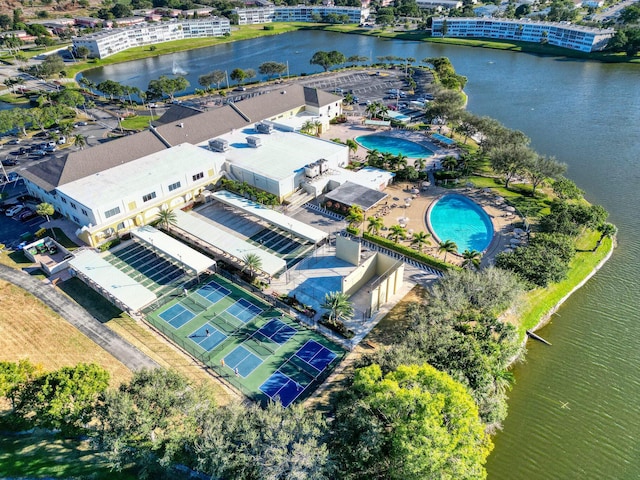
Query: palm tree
{"points": [[448, 246], [397, 233], [420, 239], [420, 163], [471, 258], [355, 215], [45, 210], [353, 146], [339, 307], [80, 141], [373, 158], [375, 224], [307, 127], [449, 162], [317, 125], [253, 262], [372, 109], [166, 218]]}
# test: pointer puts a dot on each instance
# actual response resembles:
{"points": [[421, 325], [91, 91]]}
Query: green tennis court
{"points": [[247, 341]]}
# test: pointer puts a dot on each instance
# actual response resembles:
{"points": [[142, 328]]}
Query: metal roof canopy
{"points": [[177, 250], [278, 219], [223, 241], [116, 283], [350, 193]]}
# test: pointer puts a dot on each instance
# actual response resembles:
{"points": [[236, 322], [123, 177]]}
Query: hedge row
{"points": [[410, 252]]}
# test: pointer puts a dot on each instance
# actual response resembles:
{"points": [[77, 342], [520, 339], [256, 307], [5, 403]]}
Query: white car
{"points": [[14, 210]]}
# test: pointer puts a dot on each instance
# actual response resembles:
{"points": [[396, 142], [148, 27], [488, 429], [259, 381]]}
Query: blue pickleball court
{"points": [[316, 355], [243, 360], [281, 386], [278, 331], [208, 337], [213, 291], [177, 315]]}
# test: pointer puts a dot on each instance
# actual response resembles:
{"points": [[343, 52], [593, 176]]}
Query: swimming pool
{"points": [[393, 145], [455, 217]]}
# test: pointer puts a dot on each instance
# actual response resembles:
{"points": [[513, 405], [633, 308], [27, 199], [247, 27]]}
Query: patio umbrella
{"points": [[510, 209], [515, 241], [426, 184], [415, 190], [508, 250], [499, 199]]}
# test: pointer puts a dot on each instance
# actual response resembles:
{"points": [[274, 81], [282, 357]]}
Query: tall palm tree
{"points": [[317, 125], [355, 215], [307, 127], [373, 158], [252, 262], [375, 224], [448, 246], [471, 259], [420, 239], [80, 141], [449, 162], [420, 163], [397, 233], [352, 145], [167, 218], [339, 307]]}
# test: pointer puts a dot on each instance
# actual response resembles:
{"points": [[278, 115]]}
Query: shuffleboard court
{"points": [[177, 315]]}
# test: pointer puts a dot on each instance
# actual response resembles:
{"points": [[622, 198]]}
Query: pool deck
{"points": [[418, 204]]}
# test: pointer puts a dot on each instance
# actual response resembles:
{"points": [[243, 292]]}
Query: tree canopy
{"points": [[328, 59]]}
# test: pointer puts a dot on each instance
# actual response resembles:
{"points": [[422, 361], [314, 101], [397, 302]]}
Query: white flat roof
{"points": [[278, 219], [281, 153], [115, 282], [234, 246], [145, 173], [177, 250], [370, 177]]}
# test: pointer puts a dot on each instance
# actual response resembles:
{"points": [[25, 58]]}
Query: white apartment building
{"points": [[299, 13], [439, 4], [566, 35], [108, 42]]}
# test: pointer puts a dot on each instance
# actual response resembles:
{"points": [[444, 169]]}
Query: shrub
{"points": [[109, 244], [269, 27], [411, 253], [337, 326]]}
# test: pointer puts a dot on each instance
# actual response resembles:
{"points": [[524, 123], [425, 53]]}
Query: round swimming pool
{"points": [[393, 145], [455, 217]]}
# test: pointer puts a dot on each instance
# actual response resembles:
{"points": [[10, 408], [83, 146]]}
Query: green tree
{"points": [[326, 60], [471, 258], [82, 52], [64, 399], [355, 215], [164, 85], [271, 69], [447, 246], [51, 66], [411, 424], [539, 168], [110, 88], [15, 375], [238, 75], [80, 141], [511, 161], [167, 218], [449, 162], [338, 306], [397, 233], [420, 239], [566, 189], [45, 210], [375, 224], [352, 145], [607, 230], [252, 262]]}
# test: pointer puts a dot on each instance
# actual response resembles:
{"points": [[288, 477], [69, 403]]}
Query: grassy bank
{"points": [[539, 302], [243, 32]]}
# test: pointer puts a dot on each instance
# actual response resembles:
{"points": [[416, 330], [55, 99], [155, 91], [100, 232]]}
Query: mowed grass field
{"points": [[31, 330]]}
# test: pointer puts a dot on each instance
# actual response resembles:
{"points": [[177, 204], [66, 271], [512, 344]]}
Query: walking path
{"points": [[130, 356]]}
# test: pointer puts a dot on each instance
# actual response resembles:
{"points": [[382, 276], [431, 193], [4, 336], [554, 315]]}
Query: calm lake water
{"points": [[573, 412]]}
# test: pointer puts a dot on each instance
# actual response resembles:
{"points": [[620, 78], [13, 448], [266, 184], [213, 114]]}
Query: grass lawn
{"points": [[537, 303], [42, 336], [139, 122], [517, 195], [141, 336], [44, 455]]}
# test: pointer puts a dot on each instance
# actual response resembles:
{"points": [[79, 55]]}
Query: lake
{"points": [[572, 411]]}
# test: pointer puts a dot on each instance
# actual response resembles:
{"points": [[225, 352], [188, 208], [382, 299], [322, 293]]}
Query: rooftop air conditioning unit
{"points": [[254, 142], [264, 128], [219, 145]]}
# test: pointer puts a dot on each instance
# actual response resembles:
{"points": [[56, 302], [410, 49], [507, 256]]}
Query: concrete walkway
{"points": [[77, 316]]}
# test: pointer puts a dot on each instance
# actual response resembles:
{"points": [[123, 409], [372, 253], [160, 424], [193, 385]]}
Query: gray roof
{"points": [[353, 194], [176, 113], [82, 163], [202, 127]]}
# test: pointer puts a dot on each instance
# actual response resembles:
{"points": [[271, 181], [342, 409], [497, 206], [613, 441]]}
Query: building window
{"points": [[73, 205], [149, 196], [112, 212], [75, 219], [174, 186], [84, 212], [64, 200], [198, 176]]}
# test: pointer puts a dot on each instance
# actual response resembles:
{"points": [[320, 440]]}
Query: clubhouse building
{"points": [[124, 183]]}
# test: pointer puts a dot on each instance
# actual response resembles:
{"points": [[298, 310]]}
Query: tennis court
{"points": [[246, 340], [177, 315], [299, 371], [208, 337]]}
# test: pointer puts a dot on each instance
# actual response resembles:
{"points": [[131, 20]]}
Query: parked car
{"points": [[84, 124], [38, 153], [26, 214], [24, 150], [62, 140], [51, 144], [14, 210], [50, 246], [13, 176], [50, 148], [14, 141], [9, 162]]}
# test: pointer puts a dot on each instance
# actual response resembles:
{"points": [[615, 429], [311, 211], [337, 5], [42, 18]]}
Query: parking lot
{"points": [[12, 230]]}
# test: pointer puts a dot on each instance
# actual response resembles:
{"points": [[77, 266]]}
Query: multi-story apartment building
{"points": [[298, 13], [567, 35], [108, 42]]}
